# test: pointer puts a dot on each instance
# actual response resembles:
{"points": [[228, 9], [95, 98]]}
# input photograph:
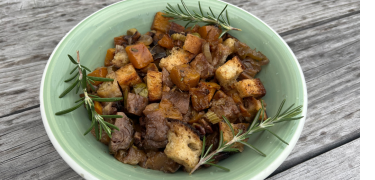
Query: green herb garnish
{"points": [[288, 115], [194, 17], [81, 80]]}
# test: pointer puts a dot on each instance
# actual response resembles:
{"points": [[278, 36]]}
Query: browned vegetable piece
{"points": [[227, 133], [196, 117], [211, 34], [252, 67], [127, 76], [159, 161], [161, 23], [184, 77], [104, 139], [202, 66], [98, 72], [178, 56], [122, 139], [179, 99], [253, 105], [250, 87], [133, 156], [193, 29], [98, 107], [150, 67], [169, 110], [244, 50], [220, 55], [132, 35], [193, 44], [223, 105], [109, 56], [154, 85], [145, 39], [119, 40], [166, 41], [166, 78], [175, 28], [200, 97], [139, 55], [158, 35], [136, 104]]}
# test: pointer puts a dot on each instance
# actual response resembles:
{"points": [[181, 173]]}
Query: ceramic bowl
{"points": [[282, 78]]}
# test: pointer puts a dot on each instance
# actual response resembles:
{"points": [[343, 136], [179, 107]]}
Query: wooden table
{"points": [[324, 35]]}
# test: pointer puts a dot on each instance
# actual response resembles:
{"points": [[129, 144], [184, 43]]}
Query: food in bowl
{"points": [[162, 95]]}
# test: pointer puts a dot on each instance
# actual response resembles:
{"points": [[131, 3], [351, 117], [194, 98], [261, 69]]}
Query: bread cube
{"points": [[184, 145], [169, 110], [109, 89], [227, 133], [154, 85], [184, 77], [193, 44], [139, 55], [121, 57], [127, 76], [230, 44], [161, 23], [228, 73], [178, 56], [250, 87]]}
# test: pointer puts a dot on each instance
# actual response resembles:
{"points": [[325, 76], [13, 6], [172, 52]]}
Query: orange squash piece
{"points": [[139, 55], [119, 40], [99, 72], [184, 77], [166, 42], [109, 56], [161, 23], [98, 107]]}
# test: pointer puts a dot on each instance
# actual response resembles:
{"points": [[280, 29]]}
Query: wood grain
{"points": [[324, 35], [45, 23], [340, 163]]}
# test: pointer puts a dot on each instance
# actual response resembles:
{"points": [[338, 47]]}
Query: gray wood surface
{"points": [[340, 163], [324, 35]]}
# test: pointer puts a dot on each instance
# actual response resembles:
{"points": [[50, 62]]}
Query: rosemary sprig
{"points": [[287, 115], [194, 17], [81, 80]]}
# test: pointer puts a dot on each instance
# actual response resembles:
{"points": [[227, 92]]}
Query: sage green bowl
{"points": [[282, 78]]}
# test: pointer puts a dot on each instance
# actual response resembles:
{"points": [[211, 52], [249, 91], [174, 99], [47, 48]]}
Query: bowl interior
{"points": [[282, 78]]}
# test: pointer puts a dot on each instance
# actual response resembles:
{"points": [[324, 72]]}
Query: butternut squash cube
{"points": [[193, 44], [98, 72], [109, 56], [139, 55], [166, 42], [161, 23], [184, 77]]}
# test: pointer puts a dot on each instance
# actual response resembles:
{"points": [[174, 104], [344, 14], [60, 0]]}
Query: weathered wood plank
{"points": [[329, 57], [26, 152], [340, 163], [45, 23]]}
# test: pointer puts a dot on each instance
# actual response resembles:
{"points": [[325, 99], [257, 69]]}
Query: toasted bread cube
{"points": [[109, 89], [184, 77], [109, 56], [178, 56], [193, 44], [127, 76], [227, 133], [184, 145], [250, 87], [230, 43], [228, 73], [154, 85], [161, 23], [139, 55], [121, 57]]}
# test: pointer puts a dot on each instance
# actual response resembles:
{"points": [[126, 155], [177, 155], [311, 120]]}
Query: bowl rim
{"points": [[262, 175]]}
